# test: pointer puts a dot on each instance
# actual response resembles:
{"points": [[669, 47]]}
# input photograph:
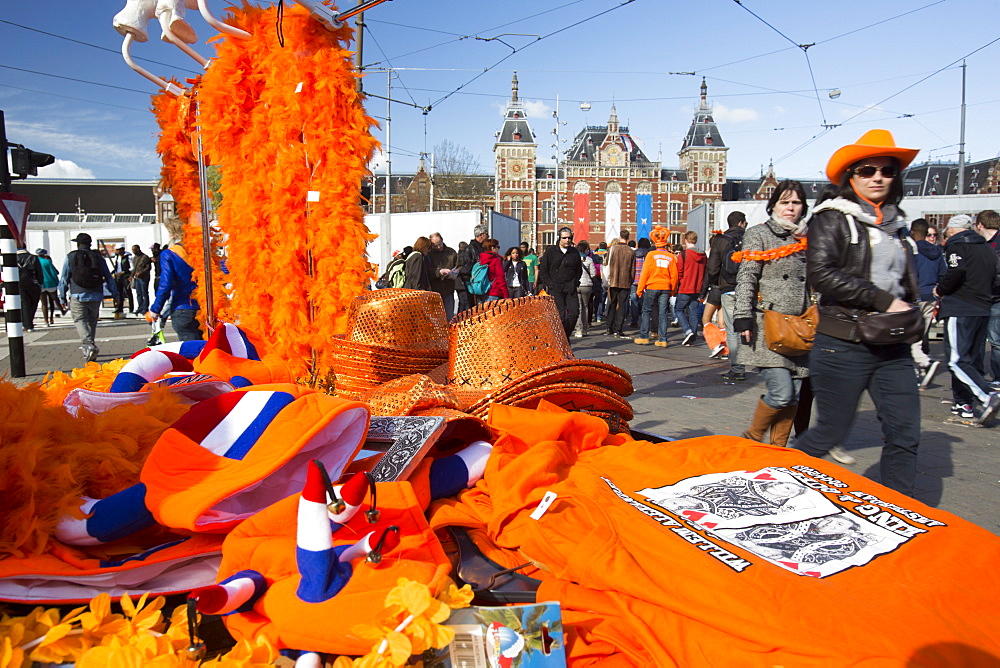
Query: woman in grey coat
{"points": [[772, 276]]}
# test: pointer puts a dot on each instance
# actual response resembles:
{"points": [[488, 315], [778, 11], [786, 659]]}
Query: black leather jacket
{"points": [[839, 266]]}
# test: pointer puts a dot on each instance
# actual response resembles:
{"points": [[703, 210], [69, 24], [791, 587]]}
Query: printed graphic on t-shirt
{"points": [[798, 518], [816, 547], [741, 499]]}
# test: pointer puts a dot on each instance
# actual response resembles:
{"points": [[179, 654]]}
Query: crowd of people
{"points": [[88, 277], [613, 285], [868, 282]]}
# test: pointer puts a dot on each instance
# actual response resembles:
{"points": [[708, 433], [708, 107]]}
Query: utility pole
{"points": [[385, 231], [10, 274], [961, 141], [359, 35]]}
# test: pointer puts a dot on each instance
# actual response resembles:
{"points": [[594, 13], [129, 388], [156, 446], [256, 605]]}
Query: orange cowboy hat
{"points": [[390, 334], [873, 143]]}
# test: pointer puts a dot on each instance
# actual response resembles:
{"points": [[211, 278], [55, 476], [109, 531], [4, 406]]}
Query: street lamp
{"points": [[556, 146]]}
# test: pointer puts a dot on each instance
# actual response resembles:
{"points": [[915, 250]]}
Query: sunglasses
{"points": [[868, 171], [932, 234]]}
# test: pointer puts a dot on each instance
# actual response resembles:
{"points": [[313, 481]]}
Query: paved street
{"points": [[679, 394]]}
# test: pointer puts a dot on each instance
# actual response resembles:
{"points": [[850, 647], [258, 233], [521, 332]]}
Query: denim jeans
{"points": [[839, 371], [782, 389], [732, 338], [993, 336], [662, 299], [85, 315], [141, 286], [186, 324], [688, 311], [583, 293], [634, 307]]}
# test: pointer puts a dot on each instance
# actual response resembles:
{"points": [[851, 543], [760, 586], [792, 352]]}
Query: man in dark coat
{"points": [[966, 292], [559, 273], [444, 262]]}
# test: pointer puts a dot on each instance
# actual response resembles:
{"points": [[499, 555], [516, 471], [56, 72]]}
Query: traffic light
{"points": [[24, 161]]}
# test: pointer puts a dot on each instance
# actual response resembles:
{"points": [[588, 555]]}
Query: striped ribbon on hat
{"points": [[147, 367], [231, 424], [230, 339], [188, 349]]}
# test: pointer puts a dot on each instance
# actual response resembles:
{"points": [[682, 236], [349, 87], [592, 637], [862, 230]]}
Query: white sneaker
{"points": [[718, 349], [990, 407], [688, 340], [840, 455]]}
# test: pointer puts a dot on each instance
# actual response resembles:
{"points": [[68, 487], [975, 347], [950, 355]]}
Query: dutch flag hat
{"points": [[235, 454], [240, 357]]}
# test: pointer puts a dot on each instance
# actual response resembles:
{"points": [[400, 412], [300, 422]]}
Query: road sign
{"points": [[14, 209]]}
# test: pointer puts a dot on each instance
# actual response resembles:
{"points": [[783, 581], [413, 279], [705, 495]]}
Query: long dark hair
{"points": [[781, 189], [844, 189]]}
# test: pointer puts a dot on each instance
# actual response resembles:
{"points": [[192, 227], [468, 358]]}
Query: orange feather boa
{"points": [[282, 122]]}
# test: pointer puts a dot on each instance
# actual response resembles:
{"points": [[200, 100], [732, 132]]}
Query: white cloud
{"points": [[377, 163], [64, 169], [779, 109], [724, 114], [60, 142], [536, 109]]}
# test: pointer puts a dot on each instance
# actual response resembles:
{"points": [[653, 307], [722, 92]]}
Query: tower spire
{"points": [[513, 89], [704, 93]]}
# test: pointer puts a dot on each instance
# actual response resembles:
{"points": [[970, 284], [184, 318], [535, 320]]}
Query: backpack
{"points": [[731, 268], [394, 275], [85, 269], [479, 283]]}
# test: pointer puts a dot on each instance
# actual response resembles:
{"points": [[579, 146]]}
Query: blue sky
{"points": [[884, 58]]}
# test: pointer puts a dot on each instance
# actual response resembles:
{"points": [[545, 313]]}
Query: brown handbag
{"points": [[790, 335]]}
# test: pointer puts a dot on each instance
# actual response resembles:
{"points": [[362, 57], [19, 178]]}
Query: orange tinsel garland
{"points": [[281, 122], [771, 253]]}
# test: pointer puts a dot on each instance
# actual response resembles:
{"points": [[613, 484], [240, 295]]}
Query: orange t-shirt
{"points": [[659, 271], [718, 551]]}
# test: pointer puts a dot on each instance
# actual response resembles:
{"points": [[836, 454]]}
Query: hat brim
{"points": [[845, 156], [570, 396], [588, 372]]}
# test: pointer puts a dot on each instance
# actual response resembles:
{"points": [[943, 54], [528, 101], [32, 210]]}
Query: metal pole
{"points": [[961, 141], [206, 244], [385, 233], [359, 34], [432, 181], [10, 274]]}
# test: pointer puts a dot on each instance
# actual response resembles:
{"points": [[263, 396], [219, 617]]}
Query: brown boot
{"points": [[763, 417], [782, 427]]}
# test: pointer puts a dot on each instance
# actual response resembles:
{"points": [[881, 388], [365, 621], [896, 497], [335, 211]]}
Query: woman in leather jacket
{"points": [[857, 260]]}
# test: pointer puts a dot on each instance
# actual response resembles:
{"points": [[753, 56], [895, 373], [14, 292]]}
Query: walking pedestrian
{"points": [[772, 276], [516, 273], [966, 292], [142, 265], [444, 268], [30, 279], [584, 291], [121, 269], [657, 283], [84, 277], [988, 227], [559, 274], [857, 261], [177, 285], [929, 259], [50, 287], [721, 273], [494, 271], [691, 274], [620, 274]]}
